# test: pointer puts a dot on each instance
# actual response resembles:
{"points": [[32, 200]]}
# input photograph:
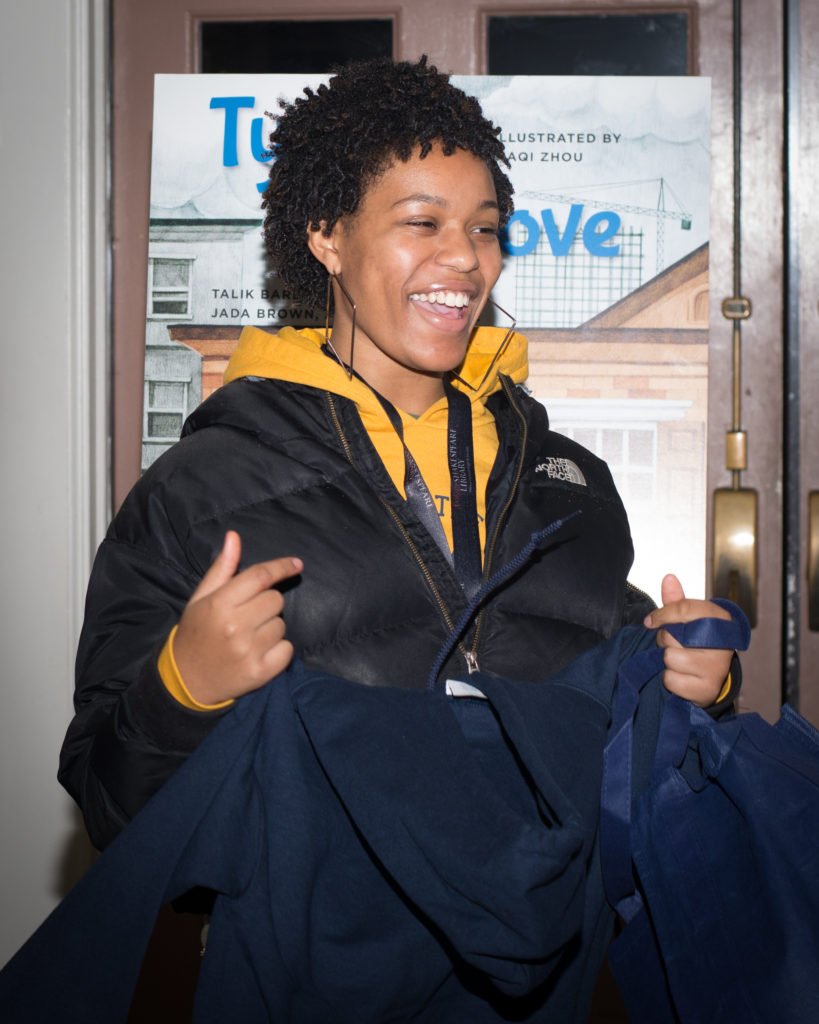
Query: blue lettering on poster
{"points": [[231, 106], [597, 232], [560, 244], [257, 146], [595, 240], [230, 141], [596, 235], [524, 218]]}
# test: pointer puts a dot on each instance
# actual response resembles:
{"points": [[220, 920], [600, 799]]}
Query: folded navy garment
{"points": [[378, 854]]}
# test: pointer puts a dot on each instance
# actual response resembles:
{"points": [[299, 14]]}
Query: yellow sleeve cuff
{"points": [[172, 680], [726, 689]]}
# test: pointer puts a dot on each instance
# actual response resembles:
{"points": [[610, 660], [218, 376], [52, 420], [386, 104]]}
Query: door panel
{"points": [[162, 36], [802, 639], [761, 280]]}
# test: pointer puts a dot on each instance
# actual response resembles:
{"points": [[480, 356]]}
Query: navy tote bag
{"points": [[714, 866]]}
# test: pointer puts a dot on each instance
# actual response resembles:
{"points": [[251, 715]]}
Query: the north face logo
{"points": [[561, 469]]}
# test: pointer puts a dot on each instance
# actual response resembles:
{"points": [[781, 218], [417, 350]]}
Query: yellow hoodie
{"points": [[295, 356]]}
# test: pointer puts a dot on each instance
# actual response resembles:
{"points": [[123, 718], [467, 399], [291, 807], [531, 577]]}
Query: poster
{"points": [[605, 269]]}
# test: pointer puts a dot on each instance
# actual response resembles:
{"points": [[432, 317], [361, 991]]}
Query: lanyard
{"points": [[463, 491], [466, 557]]}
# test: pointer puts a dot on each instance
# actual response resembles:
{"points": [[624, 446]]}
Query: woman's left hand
{"points": [[697, 674]]}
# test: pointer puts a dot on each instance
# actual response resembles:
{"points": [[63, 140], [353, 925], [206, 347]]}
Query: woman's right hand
{"points": [[230, 639]]}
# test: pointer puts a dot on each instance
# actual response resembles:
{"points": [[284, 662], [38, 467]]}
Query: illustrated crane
{"points": [[659, 211]]}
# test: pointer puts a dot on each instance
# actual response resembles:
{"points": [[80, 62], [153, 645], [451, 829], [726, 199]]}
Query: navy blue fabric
{"points": [[380, 854], [723, 911], [619, 783]]}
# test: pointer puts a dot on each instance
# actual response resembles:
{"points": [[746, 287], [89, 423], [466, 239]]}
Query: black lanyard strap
{"points": [[463, 490], [466, 556], [415, 488]]}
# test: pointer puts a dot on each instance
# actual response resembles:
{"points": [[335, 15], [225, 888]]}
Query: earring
{"points": [[347, 369], [497, 354]]}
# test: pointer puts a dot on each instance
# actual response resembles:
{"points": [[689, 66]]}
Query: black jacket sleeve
{"points": [[129, 734]]}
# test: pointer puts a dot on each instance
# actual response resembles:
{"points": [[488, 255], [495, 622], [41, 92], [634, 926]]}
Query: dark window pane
{"points": [[589, 44], [169, 307], [164, 394], [164, 424], [171, 273], [294, 47]]}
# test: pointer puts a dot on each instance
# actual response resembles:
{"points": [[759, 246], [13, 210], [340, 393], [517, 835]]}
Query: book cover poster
{"points": [[605, 270]]}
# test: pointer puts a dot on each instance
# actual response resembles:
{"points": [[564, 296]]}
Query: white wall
{"points": [[53, 424]]}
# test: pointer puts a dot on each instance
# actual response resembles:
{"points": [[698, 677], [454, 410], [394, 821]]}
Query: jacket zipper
{"points": [[642, 593], [470, 656], [394, 516]]}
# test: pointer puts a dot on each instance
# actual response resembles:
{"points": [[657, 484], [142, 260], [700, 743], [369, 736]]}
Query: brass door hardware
{"points": [[735, 553], [735, 509]]}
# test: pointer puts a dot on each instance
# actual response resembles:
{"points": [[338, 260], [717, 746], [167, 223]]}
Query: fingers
{"points": [[671, 589], [251, 581], [238, 623], [685, 611], [230, 638], [696, 674], [671, 593], [223, 567], [679, 608], [249, 643], [261, 577], [276, 660]]}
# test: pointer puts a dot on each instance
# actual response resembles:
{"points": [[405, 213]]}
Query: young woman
{"points": [[348, 492]]}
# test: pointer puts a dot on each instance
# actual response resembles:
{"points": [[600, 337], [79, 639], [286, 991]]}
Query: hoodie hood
{"points": [[295, 356]]}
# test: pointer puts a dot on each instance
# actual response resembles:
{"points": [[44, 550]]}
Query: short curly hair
{"points": [[331, 144]]}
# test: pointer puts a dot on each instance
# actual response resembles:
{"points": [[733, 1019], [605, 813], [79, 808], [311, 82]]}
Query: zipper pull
{"points": [[472, 662]]}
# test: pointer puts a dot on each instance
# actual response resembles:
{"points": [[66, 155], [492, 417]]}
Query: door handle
{"points": [[813, 561], [735, 548]]}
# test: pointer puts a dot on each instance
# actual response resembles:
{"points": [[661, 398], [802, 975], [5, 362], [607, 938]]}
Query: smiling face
{"points": [[419, 258]]}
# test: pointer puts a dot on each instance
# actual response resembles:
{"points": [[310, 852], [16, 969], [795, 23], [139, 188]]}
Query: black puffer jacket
{"points": [[292, 469]]}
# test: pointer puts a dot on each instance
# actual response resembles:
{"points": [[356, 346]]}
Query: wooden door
{"points": [[779, 272], [801, 433], [165, 36]]}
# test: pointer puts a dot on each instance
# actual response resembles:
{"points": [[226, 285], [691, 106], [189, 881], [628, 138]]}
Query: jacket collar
{"points": [[296, 356]]}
